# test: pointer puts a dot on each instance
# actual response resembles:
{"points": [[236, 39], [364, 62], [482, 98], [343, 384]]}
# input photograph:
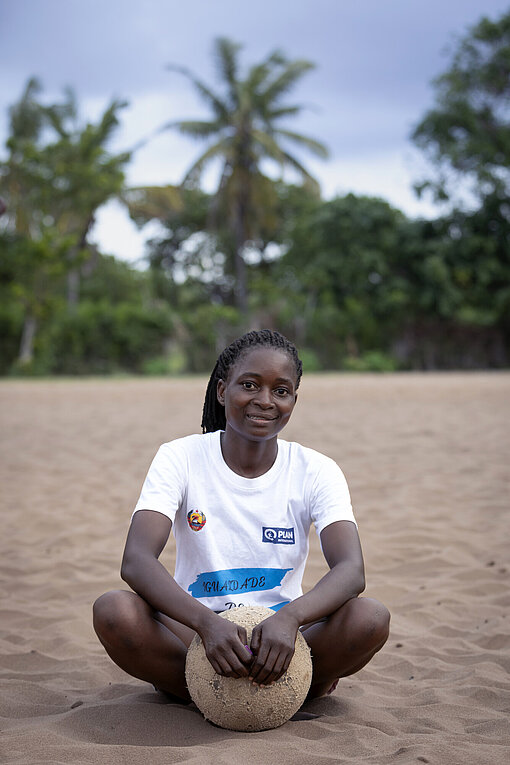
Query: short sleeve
{"points": [[330, 499], [165, 484]]}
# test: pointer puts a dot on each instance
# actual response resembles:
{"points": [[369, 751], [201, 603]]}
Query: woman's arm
{"points": [[273, 639], [224, 641], [345, 579]]}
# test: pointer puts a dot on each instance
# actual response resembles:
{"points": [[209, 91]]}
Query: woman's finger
{"points": [[263, 668], [280, 666], [243, 635], [255, 641], [220, 666]]}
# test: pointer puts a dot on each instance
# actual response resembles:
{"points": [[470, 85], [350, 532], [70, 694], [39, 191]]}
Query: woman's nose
{"points": [[263, 397]]}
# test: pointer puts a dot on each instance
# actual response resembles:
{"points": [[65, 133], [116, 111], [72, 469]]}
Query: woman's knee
{"points": [[372, 619], [116, 615]]}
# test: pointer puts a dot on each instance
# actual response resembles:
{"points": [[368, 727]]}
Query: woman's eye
{"points": [[248, 385], [282, 391]]}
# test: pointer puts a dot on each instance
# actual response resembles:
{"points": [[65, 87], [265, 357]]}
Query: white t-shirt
{"points": [[243, 541]]}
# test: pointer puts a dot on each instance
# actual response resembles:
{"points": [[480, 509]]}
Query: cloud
{"points": [[386, 174], [116, 234]]}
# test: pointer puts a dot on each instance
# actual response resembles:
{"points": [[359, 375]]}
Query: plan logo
{"points": [[277, 536]]}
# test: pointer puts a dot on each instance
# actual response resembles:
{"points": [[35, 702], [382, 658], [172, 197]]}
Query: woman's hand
{"points": [[272, 643], [226, 648]]}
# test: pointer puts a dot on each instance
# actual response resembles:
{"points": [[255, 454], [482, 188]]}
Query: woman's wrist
{"points": [[304, 610], [203, 620], [290, 612]]}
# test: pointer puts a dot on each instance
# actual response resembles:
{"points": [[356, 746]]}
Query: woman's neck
{"points": [[249, 459]]}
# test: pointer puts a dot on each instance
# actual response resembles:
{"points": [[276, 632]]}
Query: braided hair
{"points": [[213, 416]]}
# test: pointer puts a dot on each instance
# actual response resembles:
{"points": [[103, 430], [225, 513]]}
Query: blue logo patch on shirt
{"points": [[277, 536]]}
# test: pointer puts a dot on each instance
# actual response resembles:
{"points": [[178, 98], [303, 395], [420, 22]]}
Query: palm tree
{"points": [[86, 175], [56, 174], [244, 129]]}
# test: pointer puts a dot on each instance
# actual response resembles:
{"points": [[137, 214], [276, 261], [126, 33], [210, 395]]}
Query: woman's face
{"points": [[259, 394]]}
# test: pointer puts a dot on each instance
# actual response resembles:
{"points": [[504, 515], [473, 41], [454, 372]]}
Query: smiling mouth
{"points": [[260, 418]]}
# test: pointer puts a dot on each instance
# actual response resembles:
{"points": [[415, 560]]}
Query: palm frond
{"points": [[282, 111], [110, 120], [260, 72], [26, 116], [270, 147], [53, 115], [145, 203], [286, 79], [59, 114], [219, 149], [303, 172], [195, 128], [257, 75], [316, 147], [226, 60], [94, 137], [220, 108]]}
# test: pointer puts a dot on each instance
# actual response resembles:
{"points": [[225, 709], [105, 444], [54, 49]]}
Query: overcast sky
{"points": [[375, 60]]}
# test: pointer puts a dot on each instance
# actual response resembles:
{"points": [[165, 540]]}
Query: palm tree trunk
{"points": [[241, 224], [240, 292], [26, 347], [240, 289]]}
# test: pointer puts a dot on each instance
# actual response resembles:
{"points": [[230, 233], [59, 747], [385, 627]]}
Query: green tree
{"points": [[85, 176], [244, 130], [467, 133], [55, 176], [182, 251], [467, 136], [339, 277]]}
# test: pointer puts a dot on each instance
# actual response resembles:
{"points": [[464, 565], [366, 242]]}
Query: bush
{"points": [[100, 338], [173, 363], [310, 360], [209, 328], [370, 361]]}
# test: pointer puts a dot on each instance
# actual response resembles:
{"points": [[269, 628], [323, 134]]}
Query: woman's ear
{"points": [[220, 392]]}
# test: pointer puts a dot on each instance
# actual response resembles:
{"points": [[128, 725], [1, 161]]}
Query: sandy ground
{"points": [[427, 461]]}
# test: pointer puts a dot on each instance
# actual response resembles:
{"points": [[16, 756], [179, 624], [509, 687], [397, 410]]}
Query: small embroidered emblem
{"points": [[196, 520]]}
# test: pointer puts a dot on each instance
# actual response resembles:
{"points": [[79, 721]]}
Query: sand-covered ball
{"points": [[236, 703]]}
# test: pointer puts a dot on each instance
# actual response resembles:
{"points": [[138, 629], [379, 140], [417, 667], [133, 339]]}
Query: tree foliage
{"points": [[467, 136], [467, 132], [352, 280], [56, 174]]}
